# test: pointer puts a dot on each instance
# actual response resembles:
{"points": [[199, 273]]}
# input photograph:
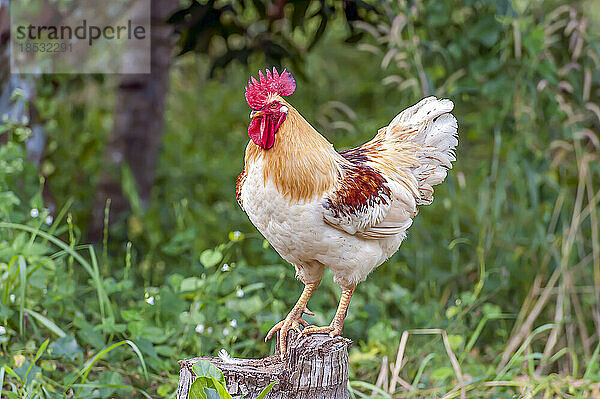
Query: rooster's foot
{"points": [[291, 322], [284, 326], [333, 330], [294, 319]]}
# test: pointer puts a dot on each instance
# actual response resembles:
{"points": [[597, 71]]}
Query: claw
{"points": [[273, 330], [284, 326], [296, 326], [308, 311]]}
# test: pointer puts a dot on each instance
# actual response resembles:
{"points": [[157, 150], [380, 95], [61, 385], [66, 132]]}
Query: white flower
{"points": [[236, 234], [200, 328], [2, 330], [12, 297], [45, 291], [34, 213], [150, 300], [209, 330], [49, 220], [226, 331], [233, 323], [225, 268], [240, 292]]}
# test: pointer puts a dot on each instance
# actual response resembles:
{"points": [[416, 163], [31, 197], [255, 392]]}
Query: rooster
{"points": [[347, 210]]}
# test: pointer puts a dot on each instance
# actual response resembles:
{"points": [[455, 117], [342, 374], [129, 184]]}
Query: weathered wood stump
{"points": [[315, 367]]}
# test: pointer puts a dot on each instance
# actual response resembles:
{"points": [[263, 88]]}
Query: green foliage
{"points": [[237, 30], [19, 180], [515, 222], [210, 383]]}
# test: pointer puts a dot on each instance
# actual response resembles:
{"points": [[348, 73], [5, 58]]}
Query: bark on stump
{"points": [[315, 367]]}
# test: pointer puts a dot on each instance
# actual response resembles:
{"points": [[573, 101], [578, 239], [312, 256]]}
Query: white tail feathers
{"points": [[429, 125], [423, 111]]}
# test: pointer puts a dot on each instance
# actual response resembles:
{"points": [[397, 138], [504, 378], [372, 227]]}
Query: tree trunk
{"points": [[138, 124], [316, 367]]}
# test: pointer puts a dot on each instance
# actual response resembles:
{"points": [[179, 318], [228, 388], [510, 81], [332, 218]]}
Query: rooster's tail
{"points": [[430, 125]]}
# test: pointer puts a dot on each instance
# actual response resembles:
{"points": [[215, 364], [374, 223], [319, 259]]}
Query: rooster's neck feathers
{"points": [[302, 164]]}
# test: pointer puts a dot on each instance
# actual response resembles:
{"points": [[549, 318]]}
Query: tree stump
{"points": [[315, 367]]}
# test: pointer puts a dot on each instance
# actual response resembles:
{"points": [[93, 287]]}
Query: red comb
{"points": [[258, 91]]}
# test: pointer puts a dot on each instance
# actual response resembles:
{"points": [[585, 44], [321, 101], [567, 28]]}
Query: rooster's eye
{"points": [[283, 109]]}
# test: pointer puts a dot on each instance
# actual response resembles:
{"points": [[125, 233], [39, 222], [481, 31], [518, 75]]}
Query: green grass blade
{"points": [[525, 344], [265, 391], [422, 366], [592, 364], [60, 216], [105, 304], [359, 393], [22, 290], [39, 353], [223, 394], [372, 387], [7, 285], [12, 373], [50, 325], [33, 236], [140, 356], [351, 390], [105, 238], [60, 253], [571, 352], [86, 370]]}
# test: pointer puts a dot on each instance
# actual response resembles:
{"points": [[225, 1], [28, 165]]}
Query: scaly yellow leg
{"points": [[294, 318], [335, 328]]}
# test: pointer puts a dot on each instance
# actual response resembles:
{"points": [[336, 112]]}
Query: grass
{"points": [[494, 293]]}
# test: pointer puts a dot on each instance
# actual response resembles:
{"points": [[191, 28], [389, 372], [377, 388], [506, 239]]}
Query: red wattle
{"points": [[262, 130], [254, 131], [269, 135]]}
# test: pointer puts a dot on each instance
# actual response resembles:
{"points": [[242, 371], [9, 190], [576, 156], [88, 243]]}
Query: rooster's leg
{"points": [[335, 328], [294, 318]]}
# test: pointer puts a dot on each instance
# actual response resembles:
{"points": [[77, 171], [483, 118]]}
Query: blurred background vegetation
{"points": [[101, 298]]}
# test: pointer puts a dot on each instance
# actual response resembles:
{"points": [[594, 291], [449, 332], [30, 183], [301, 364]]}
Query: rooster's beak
{"points": [[254, 114]]}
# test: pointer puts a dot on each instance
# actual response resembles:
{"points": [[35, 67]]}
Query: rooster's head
{"points": [[263, 96]]}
